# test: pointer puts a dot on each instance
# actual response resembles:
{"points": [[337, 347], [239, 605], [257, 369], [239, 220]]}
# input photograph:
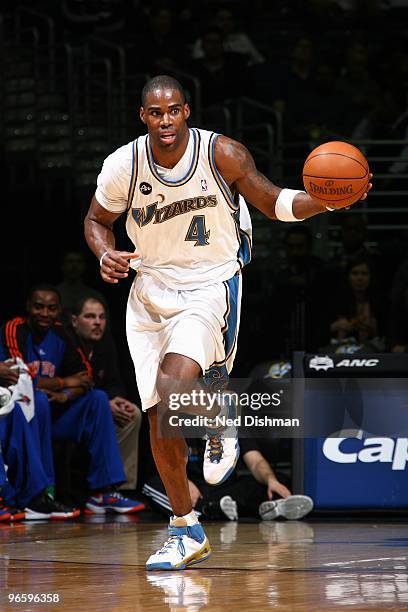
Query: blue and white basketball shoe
{"points": [[186, 545]]}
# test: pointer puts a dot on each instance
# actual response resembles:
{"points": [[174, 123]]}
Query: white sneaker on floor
{"points": [[186, 546], [222, 448], [293, 507], [229, 507]]}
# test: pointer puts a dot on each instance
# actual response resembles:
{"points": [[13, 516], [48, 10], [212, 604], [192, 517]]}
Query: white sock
{"points": [[190, 518]]}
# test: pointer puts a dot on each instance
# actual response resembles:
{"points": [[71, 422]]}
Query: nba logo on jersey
{"points": [[203, 185]]}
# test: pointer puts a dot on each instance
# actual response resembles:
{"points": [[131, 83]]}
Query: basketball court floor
{"points": [[98, 564]]}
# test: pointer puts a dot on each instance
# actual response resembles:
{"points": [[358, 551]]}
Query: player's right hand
{"points": [[115, 265]]}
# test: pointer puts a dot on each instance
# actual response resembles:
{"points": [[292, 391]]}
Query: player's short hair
{"points": [[43, 287], [162, 81]]}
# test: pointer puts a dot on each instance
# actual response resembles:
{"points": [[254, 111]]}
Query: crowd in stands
{"points": [[322, 53], [319, 66], [69, 404]]}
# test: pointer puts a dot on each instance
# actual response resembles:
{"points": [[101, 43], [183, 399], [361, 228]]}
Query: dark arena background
{"points": [[325, 302]]}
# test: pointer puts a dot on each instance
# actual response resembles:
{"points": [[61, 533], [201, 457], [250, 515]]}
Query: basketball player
{"points": [[180, 188]]}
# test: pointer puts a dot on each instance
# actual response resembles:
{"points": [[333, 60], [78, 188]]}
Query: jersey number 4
{"points": [[197, 231]]}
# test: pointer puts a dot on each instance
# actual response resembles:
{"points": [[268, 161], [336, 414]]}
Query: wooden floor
{"points": [[98, 565]]}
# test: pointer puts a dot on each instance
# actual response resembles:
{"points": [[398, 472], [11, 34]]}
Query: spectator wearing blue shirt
{"points": [[74, 411]]}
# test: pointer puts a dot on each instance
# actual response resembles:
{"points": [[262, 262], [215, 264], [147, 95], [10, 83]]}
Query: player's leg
{"points": [[206, 331], [170, 456], [222, 447], [187, 543], [179, 374], [178, 325]]}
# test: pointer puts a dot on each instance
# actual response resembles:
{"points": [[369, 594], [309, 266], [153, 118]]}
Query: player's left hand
{"points": [[369, 186], [363, 197], [331, 206], [115, 265]]}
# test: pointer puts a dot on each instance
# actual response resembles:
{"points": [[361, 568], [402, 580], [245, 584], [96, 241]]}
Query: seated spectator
{"points": [[5, 514], [160, 41], [25, 490], [299, 267], [233, 39], [358, 308], [294, 81], [353, 244], [397, 324], [89, 327], [356, 86], [77, 412], [300, 281], [259, 494], [326, 125], [220, 72], [73, 285], [382, 121]]}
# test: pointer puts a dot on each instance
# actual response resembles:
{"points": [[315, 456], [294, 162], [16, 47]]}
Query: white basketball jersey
{"points": [[184, 221]]}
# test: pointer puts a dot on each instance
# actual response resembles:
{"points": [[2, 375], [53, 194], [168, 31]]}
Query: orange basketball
{"points": [[336, 173]]}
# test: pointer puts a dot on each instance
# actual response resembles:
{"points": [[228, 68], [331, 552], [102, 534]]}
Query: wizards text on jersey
{"points": [[149, 213]]}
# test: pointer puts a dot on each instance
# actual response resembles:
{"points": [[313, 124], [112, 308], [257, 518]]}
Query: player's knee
{"points": [[165, 385], [177, 376]]}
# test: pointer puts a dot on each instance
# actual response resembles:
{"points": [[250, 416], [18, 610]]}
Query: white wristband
{"points": [[102, 256], [284, 205]]}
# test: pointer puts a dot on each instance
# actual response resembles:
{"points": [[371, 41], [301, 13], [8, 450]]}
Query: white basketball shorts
{"points": [[201, 324]]}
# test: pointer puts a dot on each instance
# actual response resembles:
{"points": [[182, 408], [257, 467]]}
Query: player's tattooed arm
{"points": [[239, 171], [98, 227]]}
